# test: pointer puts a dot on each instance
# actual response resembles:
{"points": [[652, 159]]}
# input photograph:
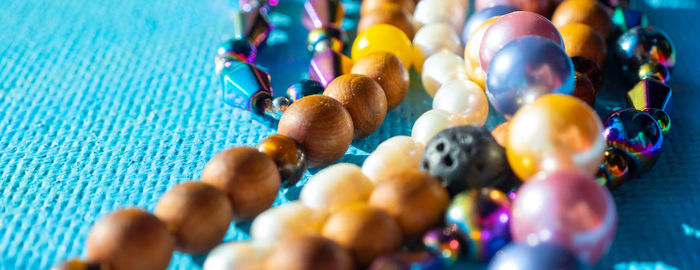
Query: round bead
{"points": [[471, 54], [321, 125], [327, 38], [235, 50], [582, 40], [130, 239], [364, 231], [237, 255], [615, 168], [641, 44], [387, 70], [448, 242], [309, 252], [304, 88], [336, 187], [370, 6], [391, 14], [418, 260], [288, 155], [248, 177], [465, 99], [481, 16], [440, 68], [526, 68], [432, 38], [512, 26], [432, 122], [587, 12], [654, 70], [286, 221], [662, 119], [415, 199], [584, 89], [554, 131], [466, 157], [77, 264], [538, 257], [402, 152], [452, 12], [638, 134], [500, 133], [565, 208], [197, 214], [543, 7], [364, 99], [591, 69], [383, 38], [483, 216]]}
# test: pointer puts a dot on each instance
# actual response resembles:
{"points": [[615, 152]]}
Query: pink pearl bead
{"points": [[566, 208], [511, 26]]}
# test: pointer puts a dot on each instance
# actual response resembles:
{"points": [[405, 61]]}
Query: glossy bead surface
{"points": [[130, 239], [637, 134], [615, 168], [321, 13], [391, 14], [324, 39], [244, 255], [304, 88], [568, 209], [383, 38], [654, 70], [327, 66], [587, 12], [288, 155], [649, 94], [591, 69], [525, 69], [255, 26], [77, 264], [463, 98], [286, 221], [584, 89], [483, 216], [432, 122], [543, 7], [308, 253], [387, 70], [641, 44], [555, 131], [234, 50], [197, 214], [336, 187], [416, 200], [363, 98], [364, 231], [402, 152], [512, 26], [582, 40], [239, 171], [624, 19], [471, 54], [245, 86], [432, 38], [448, 242], [441, 68], [408, 260], [500, 133], [431, 11], [536, 257], [662, 118], [321, 125], [481, 16]]}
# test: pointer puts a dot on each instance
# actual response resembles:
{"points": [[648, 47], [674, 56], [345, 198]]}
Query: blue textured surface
{"points": [[107, 104]]}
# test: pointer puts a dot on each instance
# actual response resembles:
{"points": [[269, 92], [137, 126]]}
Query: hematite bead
{"points": [[638, 134], [246, 86], [624, 19], [649, 94], [591, 69], [234, 50], [641, 44], [304, 88], [467, 157], [662, 119], [327, 66], [654, 70], [320, 13], [254, 26], [448, 242], [288, 155], [327, 38], [615, 170]]}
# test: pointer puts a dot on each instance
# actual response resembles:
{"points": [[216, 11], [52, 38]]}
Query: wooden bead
{"points": [[500, 133], [249, 179], [308, 253], [365, 231], [415, 199], [363, 98], [582, 40], [391, 14], [321, 125], [584, 89], [77, 264], [288, 155], [130, 239], [369, 6], [197, 213], [387, 70], [588, 12]]}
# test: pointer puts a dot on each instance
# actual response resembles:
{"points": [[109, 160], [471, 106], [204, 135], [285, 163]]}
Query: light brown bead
{"points": [[500, 133], [363, 98], [197, 213], [77, 264], [321, 125], [388, 13], [309, 253], [582, 40], [387, 70], [588, 12], [365, 231], [288, 155], [248, 177], [584, 89], [130, 239], [369, 6], [414, 198]]}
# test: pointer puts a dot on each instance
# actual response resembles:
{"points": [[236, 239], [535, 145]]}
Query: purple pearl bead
{"points": [[481, 16]]}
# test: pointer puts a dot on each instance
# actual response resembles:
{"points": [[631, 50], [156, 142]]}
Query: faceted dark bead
{"points": [[321, 13], [615, 170], [254, 26], [649, 94], [327, 66], [638, 134], [624, 19], [591, 69], [246, 86]]}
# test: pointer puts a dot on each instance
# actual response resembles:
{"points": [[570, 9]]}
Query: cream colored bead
{"points": [[237, 255], [335, 187], [432, 122], [286, 221], [394, 155], [432, 38], [463, 98], [440, 68], [450, 11]]}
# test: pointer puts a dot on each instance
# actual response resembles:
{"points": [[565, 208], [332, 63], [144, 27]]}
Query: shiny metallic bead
{"points": [[615, 170], [327, 66], [288, 155], [254, 26], [591, 69], [624, 18], [280, 104], [649, 94], [640, 44], [662, 118], [245, 86], [654, 70], [249, 5], [638, 134], [234, 50], [321, 13], [448, 242], [326, 38], [304, 88]]}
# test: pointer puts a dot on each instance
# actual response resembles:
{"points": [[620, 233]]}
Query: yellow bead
{"points": [[552, 133], [383, 38], [471, 54]]}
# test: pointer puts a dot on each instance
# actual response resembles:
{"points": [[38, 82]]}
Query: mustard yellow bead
{"points": [[383, 38]]}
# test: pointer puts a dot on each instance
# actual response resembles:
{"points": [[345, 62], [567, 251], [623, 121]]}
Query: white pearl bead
{"points": [[463, 98], [394, 155], [432, 122], [432, 38], [440, 68], [335, 187], [237, 255], [450, 11], [286, 221]]}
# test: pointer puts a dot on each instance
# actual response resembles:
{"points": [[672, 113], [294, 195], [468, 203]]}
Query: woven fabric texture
{"points": [[107, 104]]}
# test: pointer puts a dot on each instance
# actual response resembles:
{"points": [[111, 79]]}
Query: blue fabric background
{"points": [[107, 104]]}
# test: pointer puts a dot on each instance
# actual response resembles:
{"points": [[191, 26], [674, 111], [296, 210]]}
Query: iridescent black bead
{"points": [[638, 134], [245, 86], [304, 88], [615, 170]]}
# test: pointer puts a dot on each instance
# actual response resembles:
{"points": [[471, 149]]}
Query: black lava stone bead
{"points": [[468, 157]]}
